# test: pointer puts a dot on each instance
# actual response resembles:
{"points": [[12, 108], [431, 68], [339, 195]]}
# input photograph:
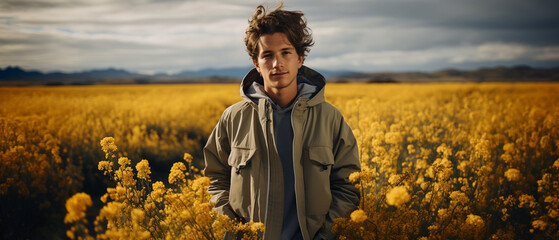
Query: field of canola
{"points": [[439, 161]]}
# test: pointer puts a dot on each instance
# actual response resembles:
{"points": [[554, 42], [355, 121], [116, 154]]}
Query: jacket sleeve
{"points": [[345, 196], [216, 154]]}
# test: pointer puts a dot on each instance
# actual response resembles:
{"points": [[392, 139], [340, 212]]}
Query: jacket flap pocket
{"points": [[321, 155], [240, 157]]}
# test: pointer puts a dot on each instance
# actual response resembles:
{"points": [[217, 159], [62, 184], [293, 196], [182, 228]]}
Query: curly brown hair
{"points": [[292, 23]]}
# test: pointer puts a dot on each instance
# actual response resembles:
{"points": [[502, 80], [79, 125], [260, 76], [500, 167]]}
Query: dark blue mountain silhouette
{"points": [[14, 75]]}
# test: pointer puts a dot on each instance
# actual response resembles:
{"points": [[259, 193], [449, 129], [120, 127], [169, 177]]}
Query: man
{"points": [[282, 156]]}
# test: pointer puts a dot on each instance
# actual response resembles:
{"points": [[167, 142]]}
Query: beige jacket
{"points": [[246, 172]]}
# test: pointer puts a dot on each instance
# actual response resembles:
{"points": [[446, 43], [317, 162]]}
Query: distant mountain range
{"points": [[18, 76], [14, 75], [520, 73]]}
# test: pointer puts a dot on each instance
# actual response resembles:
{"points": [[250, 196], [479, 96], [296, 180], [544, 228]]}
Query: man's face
{"points": [[277, 62]]}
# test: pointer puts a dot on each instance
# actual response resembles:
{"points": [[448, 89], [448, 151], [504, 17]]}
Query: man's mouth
{"points": [[279, 74]]}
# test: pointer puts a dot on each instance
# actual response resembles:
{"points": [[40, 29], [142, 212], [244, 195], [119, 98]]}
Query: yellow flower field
{"points": [[439, 161]]}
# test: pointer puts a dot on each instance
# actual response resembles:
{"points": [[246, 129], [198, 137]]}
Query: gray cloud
{"points": [[174, 35]]}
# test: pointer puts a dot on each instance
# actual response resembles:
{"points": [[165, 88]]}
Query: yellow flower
{"points": [[475, 220], [394, 138], [123, 161], [257, 227], [143, 169], [105, 166], [552, 199], [126, 176], [458, 196], [104, 198], [397, 196], [177, 172], [539, 224], [411, 149], [200, 183], [442, 212], [188, 158], [108, 144], [513, 175], [508, 147], [445, 150], [186, 214], [505, 216], [394, 179], [76, 206], [358, 216], [527, 201], [111, 210], [354, 177], [158, 191], [137, 214], [552, 213], [556, 164], [120, 191]]}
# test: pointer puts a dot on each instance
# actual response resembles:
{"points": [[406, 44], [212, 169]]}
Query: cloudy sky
{"points": [[150, 36]]}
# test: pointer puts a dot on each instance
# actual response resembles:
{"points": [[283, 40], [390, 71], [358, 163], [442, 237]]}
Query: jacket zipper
{"points": [[297, 107], [267, 134]]}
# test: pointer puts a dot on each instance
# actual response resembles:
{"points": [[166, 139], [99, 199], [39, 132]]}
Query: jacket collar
{"points": [[311, 76]]}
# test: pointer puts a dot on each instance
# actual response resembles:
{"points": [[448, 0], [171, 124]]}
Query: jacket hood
{"points": [[305, 74]]}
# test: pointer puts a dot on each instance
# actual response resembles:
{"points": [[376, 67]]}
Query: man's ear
{"points": [[301, 60], [255, 62]]}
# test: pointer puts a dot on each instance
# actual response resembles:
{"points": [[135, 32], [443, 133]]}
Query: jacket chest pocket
{"points": [[239, 159], [317, 170], [240, 184]]}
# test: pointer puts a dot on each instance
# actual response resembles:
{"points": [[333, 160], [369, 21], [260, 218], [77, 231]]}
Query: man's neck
{"points": [[283, 96]]}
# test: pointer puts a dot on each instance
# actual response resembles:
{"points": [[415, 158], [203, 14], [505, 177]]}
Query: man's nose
{"points": [[277, 61]]}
